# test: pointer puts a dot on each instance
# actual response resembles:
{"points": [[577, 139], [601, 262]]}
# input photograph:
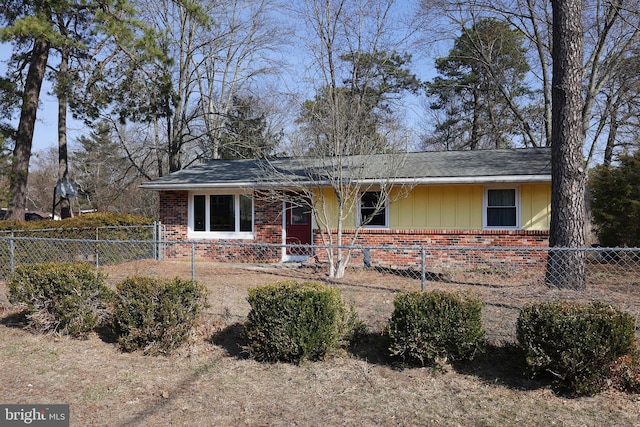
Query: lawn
{"points": [[211, 382]]}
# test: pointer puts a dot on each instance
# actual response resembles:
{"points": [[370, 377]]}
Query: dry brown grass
{"points": [[209, 381]]}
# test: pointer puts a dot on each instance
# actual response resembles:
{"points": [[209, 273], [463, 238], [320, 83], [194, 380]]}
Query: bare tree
{"points": [[239, 51], [214, 52], [340, 127], [332, 187], [42, 179]]}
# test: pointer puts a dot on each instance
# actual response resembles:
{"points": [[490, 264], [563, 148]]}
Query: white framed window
{"points": [[221, 215], [501, 207], [371, 213]]}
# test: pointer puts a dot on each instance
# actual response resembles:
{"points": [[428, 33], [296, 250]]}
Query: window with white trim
{"points": [[221, 215], [372, 214], [502, 207]]}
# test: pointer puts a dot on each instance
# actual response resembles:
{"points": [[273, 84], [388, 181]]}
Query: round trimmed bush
{"points": [[292, 322], [67, 298], [426, 326], [575, 343], [156, 315]]}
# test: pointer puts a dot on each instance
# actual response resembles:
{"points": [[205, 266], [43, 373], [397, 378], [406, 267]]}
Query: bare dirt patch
{"points": [[210, 382]]}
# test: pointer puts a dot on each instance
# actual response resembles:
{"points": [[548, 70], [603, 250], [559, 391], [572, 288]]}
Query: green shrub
{"points": [[426, 326], [156, 315], [573, 342], [89, 221], [67, 298], [614, 191], [292, 322]]}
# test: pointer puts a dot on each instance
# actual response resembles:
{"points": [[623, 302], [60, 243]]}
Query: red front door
{"points": [[298, 227]]}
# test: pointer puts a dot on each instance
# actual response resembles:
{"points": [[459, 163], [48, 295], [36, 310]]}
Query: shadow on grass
{"points": [[373, 348], [18, 320], [412, 274], [497, 365], [503, 365], [231, 340], [107, 333]]}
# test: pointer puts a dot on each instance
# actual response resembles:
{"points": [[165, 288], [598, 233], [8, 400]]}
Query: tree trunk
{"points": [[63, 154], [612, 136], [26, 126], [566, 266]]}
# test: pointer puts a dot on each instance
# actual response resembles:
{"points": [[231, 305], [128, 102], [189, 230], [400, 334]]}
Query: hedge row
{"points": [[77, 232], [584, 346], [92, 220]]}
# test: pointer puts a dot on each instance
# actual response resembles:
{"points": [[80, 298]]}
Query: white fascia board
{"points": [[199, 186], [399, 181], [463, 180], [221, 185]]}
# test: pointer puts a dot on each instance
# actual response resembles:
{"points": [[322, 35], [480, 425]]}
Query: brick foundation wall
{"points": [[174, 214], [402, 248]]}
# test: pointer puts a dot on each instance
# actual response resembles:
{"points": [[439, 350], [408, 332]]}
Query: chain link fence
{"points": [[504, 278], [116, 232]]}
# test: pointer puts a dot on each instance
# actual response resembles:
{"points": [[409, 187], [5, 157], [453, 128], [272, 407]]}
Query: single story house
{"points": [[467, 198]]}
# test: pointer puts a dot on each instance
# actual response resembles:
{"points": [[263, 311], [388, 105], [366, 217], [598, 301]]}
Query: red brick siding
{"points": [[396, 247], [174, 212]]}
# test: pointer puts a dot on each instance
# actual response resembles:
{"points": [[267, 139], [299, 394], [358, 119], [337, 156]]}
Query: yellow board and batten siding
{"points": [[457, 207], [536, 206], [451, 207]]}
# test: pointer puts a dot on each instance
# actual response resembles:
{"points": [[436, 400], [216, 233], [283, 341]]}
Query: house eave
{"points": [[450, 180], [195, 186], [446, 180]]}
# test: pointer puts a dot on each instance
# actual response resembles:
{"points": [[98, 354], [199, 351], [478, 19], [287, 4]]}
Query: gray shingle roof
{"points": [[431, 167]]}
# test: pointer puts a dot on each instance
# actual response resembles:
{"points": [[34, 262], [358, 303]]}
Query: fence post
{"points": [[12, 250], [160, 247], [155, 240], [423, 273], [97, 255], [193, 261]]}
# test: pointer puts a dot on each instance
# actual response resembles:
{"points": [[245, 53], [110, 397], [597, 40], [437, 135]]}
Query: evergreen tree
{"points": [[351, 119], [615, 201], [566, 269], [479, 81], [246, 132], [36, 29]]}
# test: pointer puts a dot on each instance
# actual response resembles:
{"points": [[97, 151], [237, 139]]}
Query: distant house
{"points": [[467, 198]]}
